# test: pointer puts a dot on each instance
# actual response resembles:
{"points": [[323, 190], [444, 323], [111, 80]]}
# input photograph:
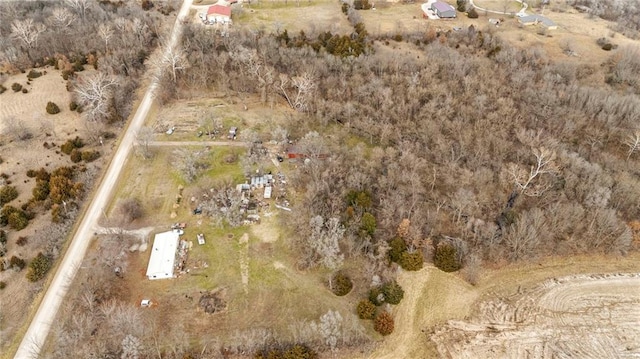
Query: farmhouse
{"points": [[163, 255], [538, 19], [219, 14], [443, 10]]}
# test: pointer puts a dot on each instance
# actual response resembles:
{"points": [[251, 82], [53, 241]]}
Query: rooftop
{"points": [[219, 10], [163, 255]]}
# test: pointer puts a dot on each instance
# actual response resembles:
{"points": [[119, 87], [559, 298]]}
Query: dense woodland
{"points": [[451, 147]]}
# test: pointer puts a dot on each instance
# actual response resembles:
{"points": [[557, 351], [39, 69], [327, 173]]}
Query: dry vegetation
{"points": [[475, 149]]}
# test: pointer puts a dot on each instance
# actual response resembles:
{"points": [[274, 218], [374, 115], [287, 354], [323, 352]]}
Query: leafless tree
{"points": [[189, 162], [95, 93], [105, 31], [61, 18], [80, 6], [174, 59], [323, 243], [27, 31], [298, 90], [330, 328], [528, 182], [143, 139], [633, 142]]}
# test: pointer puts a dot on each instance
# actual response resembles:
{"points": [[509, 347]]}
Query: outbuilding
{"points": [[163, 255], [443, 10], [219, 14]]}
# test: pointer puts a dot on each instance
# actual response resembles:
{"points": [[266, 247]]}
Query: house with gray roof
{"points": [[538, 19]]}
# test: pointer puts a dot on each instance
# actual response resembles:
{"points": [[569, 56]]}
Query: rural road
{"points": [[40, 326]]}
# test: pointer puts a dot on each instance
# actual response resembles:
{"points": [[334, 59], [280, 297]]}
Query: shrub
{"points": [[383, 323], [38, 267], [70, 145], [607, 47], [33, 74], [2, 285], [18, 220], [361, 4], [368, 224], [76, 156], [397, 247], [41, 191], [52, 108], [341, 284], [22, 241], [25, 91], [73, 105], [90, 156], [16, 87], [446, 258], [2, 89], [366, 309], [411, 261], [131, 209], [376, 296], [7, 194], [17, 263], [393, 292], [472, 13], [296, 351], [3, 237]]}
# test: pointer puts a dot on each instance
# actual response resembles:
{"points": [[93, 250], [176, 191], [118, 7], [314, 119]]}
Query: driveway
{"points": [[41, 324]]}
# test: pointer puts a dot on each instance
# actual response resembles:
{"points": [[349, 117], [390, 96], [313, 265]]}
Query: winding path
{"points": [[39, 328], [522, 11]]}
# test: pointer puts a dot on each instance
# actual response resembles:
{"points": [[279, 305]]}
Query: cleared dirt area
{"points": [[588, 316], [443, 316], [312, 17]]}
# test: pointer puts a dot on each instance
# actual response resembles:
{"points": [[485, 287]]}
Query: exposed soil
{"points": [[587, 316]]}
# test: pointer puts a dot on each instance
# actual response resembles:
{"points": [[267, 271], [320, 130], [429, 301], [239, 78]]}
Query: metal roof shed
{"points": [[443, 10], [163, 255]]}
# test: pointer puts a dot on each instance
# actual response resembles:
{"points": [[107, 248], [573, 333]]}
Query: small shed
{"points": [[233, 132], [200, 238], [267, 192], [443, 10], [145, 303]]}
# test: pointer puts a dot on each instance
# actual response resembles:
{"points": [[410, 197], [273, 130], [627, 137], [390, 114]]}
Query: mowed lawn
{"points": [[310, 16]]}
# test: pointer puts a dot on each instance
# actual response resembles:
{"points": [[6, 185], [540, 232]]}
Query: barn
{"points": [[163, 255], [443, 10], [219, 14]]}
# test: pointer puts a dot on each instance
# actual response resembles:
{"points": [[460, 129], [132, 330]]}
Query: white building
{"points": [[163, 255]]}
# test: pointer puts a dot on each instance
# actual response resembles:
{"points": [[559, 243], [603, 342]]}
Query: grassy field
{"points": [[508, 6], [394, 18], [311, 16]]}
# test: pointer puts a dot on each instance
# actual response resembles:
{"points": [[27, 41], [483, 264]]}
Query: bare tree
{"points": [[61, 18], [174, 59], [298, 90], [329, 328], [527, 182], [143, 139], [633, 142], [80, 6], [323, 244], [95, 93], [105, 31], [189, 163], [27, 32]]}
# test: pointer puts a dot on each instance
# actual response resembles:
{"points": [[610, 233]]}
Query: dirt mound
{"points": [[213, 301], [584, 316]]}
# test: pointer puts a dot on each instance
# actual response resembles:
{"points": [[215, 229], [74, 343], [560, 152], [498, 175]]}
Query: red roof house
{"points": [[219, 14]]}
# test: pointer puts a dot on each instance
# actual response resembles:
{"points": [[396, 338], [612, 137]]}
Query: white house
{"points": [[163, 255]]}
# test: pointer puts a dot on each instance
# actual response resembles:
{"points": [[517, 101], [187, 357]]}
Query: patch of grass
{"points": [[219, 168]]}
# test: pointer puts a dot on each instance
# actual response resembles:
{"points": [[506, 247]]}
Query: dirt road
{"points": [[39, 328]]}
